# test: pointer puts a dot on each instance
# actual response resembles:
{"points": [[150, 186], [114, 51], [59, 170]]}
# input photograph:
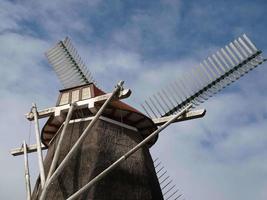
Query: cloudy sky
{"points": [[146, 43]]}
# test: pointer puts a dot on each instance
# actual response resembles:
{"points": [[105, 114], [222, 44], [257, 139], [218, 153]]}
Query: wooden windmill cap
{"points": [[116, 110]]}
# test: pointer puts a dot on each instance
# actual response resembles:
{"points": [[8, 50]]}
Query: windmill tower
{"points": [[98, 146]]}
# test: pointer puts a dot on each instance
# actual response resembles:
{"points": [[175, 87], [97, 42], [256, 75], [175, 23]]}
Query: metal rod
{"points": [[164, 180], [178, 196], [57, 151], [166, 185], [167, 97], [148, 114], [38, 143], [172, 194], [171, 92], [125, 156], [154, 105], [237, 52], [177, 91], [180, 90], [150, 108], [162, 175], [208, 67], [206, 72], [155, 160], [244, 45], [230, 52], [27, 173], [163, 101], [159, 170], [218, 63], [157, 165], [214, 66], [250, 43], [169, 190], [80, 140], [159, 103], [241, 49]]}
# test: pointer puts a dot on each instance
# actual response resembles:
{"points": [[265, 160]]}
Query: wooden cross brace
{"points": [[194, 114]]}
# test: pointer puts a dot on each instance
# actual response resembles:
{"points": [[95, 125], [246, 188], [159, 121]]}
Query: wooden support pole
{"points": [[75, 147], [62, 134], [27, 173], [125, 156], [39, 146]]}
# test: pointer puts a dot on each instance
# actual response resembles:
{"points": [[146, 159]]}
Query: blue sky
{"points": [[146, 43]]}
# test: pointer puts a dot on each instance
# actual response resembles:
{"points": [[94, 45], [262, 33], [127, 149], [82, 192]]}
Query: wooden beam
{"points": [[30, 149], [90, 103], [187, 116]]}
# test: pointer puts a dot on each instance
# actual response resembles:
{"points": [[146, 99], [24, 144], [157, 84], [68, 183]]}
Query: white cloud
{"points": [[10, 15]]}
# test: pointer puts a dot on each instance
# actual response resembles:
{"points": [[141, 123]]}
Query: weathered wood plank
{"points": [[194, 114], [30, 149]]}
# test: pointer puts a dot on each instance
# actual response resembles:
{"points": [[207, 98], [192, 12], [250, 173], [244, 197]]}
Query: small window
{"points": [[75, 96], [64, 98], [86, 93]]}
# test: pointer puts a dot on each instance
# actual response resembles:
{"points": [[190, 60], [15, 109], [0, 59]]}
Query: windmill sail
{"points": [[169, 190], [68, 65], [213, 74]]}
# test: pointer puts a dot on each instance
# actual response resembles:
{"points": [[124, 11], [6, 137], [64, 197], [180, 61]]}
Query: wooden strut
{"points": [[38, 143], [125, 156], [27, 173], [57, 151], [90, 103], [118, 93], [75, 147], [57, 110], [30, 149], [194, 114]]}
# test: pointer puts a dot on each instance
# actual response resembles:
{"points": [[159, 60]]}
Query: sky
{"points": [[222, 156]]}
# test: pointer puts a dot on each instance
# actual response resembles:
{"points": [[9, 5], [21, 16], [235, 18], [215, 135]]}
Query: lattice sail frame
{"points": [[68, 65], [213, 74], [169, 190]]}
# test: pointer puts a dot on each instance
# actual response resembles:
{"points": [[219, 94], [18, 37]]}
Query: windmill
{"points": [[98, 146]]}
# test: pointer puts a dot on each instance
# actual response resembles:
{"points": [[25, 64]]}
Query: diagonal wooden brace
{"points": [[115, 164], [77, 144]]}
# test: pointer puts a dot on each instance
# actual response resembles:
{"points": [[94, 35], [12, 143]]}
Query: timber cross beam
{"points": [[194, 114]]}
